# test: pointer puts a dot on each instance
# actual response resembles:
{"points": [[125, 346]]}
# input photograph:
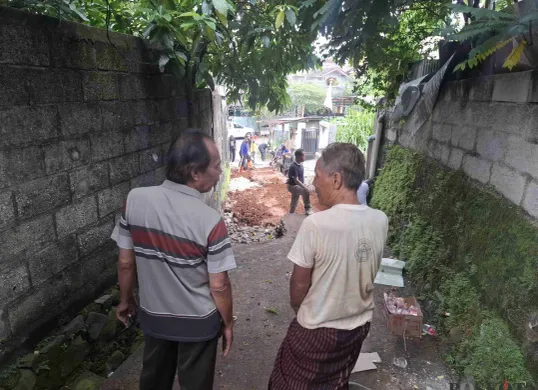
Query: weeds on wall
{"points": [[470, 252]]}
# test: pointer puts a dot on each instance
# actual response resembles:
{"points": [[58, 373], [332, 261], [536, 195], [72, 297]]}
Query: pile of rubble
{"points": [[244, 234]]}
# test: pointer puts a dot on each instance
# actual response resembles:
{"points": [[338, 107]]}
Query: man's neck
{"points": [[345, 197]]}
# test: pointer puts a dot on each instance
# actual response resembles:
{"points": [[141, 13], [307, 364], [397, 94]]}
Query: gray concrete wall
{"points": [[82, 121], [487, 127]]}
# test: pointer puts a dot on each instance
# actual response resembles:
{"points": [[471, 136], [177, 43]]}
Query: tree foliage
{"points": [[488, 31], [355, 127], [307, 96], [380, 38], [247, 45]]}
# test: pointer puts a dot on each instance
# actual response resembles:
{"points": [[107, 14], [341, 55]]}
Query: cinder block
{"points": [[41, 195], [80, 118], [72, 84], [522, 156], [107, 145], [160, 134], [45, 86], [89, 179], [7, 209], [477, 168], [151, 159], [20, 45], [146, 112], [512, 87], [43, 304], [442, 153], [76, 216], [14, 281], [505, 117], [530, 202], [101, 86], [64, 155], [491, 144], [89, 271], [160, 176], [123, 168], [442, 132], [117, 115], [448, 112], [529, 129], [20, 165], [508, 182], [5, 329], [182, 107], [112, 199], [481, 88], [26, 238], [14, 90], [53, 259], [95, 236], [108, 57], [21, 125], [137, 139], [167, 110], [134, 87], [456, 158], [145, 180], [68, 53], [464, 137]]}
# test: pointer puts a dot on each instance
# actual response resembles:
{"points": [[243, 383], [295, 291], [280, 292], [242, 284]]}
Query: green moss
{"points": [[475, 250]]}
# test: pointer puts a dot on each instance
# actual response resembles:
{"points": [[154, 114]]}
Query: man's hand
{"points": [[227, 340], [125, 311]]}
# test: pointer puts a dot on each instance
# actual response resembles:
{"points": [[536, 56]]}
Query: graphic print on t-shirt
{"points": [[363, 251]]}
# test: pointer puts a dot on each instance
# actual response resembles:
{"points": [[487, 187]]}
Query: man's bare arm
{"points": [[126, 279], [300, 282], [221, 289]]}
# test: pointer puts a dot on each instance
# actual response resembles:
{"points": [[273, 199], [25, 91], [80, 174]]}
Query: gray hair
{"points": [[347, 160]]}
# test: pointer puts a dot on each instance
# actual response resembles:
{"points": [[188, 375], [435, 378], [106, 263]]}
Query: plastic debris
{"points": [[400, 362], [428, 329], [397, 305]]}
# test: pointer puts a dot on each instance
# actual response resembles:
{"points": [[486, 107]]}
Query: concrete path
{"points": [[260, 289]]}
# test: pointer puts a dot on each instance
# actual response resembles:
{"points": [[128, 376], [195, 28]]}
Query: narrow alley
{"points": [[261, 302]]}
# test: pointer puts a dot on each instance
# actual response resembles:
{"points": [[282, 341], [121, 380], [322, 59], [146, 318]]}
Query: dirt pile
{"points": [[265, 205]]}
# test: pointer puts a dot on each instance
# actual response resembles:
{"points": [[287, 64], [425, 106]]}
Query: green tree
{"points": [[306, 98], [355, 127], [379, 38]]}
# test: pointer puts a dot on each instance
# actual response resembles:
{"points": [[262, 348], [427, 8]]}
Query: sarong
{"points": [[317, 359]]}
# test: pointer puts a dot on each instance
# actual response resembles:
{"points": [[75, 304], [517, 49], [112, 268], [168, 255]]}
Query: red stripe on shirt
{"points": [[218, 233], [165, 243]]}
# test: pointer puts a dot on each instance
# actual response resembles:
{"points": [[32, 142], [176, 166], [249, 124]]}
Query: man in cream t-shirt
{"points": [[336, 256]]}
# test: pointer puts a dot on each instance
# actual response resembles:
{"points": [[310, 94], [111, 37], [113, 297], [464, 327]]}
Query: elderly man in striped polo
{"points": [[180, 249]]}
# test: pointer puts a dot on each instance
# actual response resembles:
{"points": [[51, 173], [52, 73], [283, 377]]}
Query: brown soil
{"points": [[267, 204]]}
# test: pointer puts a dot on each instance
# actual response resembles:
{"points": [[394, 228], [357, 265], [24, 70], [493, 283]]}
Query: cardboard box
{"points": [[400, 323]]}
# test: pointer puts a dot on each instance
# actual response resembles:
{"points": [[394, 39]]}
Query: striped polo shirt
{"points": [[178, 241]]}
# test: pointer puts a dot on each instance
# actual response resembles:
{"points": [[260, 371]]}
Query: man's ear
{"points": [[337, 181]]}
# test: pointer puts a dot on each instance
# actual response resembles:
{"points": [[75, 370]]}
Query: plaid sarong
{"points": [[317, 359]]}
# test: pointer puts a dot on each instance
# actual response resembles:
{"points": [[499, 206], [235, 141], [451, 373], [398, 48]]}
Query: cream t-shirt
{"points": [[344, 246]]}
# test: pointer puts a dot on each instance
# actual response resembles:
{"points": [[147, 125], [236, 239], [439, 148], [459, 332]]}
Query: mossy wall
{"points": [[469, 252]]}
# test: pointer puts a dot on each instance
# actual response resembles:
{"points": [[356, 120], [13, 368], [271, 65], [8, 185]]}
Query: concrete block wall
{"points": [[82, 121], [487, 127]]}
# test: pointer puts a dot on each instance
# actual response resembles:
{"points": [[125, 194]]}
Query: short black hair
{"points": [[187, 152], [299, 152], [347, 160]]}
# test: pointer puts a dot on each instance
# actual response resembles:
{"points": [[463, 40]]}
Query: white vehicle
{"points": [[239, 131]]}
